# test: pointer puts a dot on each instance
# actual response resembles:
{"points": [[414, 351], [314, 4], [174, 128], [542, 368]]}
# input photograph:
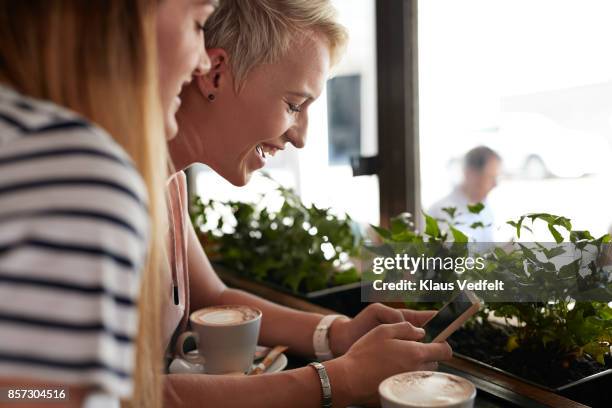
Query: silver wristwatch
{"points": [[326, 395]]}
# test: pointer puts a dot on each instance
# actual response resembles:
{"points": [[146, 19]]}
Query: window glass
{"points": [[532, 80]]}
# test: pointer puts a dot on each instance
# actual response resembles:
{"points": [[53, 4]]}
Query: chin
{"points": [[240, 180], [171, 128], [237, 178]]}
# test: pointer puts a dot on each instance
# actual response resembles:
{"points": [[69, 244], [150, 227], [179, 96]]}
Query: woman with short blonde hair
{"points": [[269, 62]]}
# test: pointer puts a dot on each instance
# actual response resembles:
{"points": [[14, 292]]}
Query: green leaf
{"points": [[477, 224], [518, 225], [451, 211], [569, 270], [458, 236], [431, 226], [398, 225], [597, 350], [381, 231], [556, 234], [476, 208], [576, 236], [553, 252], [349, 276]]}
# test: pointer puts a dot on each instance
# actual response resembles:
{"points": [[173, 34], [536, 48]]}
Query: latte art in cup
{"points": [[225, 336], [426, 389], [226, 315]]}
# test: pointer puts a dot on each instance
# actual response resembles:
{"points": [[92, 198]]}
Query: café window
{"points": [[532, 80]]}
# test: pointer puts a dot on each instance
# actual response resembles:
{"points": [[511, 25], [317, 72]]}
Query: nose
{"points": [[203, 65], [296, 138], [297, 135]]}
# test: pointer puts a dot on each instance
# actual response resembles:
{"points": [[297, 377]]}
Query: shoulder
{"points": [[45, 147], [435, 210], [73, 234]]}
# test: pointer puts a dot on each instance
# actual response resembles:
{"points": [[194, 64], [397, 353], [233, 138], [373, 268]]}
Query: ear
{"points": [[219, 76]]}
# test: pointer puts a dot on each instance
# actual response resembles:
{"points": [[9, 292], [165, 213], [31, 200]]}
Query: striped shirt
{"points": [[73, 240]]}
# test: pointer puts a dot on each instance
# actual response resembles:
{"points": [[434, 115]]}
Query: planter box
{"points": [[481, 349], [594, 390], [497, 389], [345, 299]]}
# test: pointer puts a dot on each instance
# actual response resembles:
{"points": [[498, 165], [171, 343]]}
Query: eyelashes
{"points": [[293, 108]]}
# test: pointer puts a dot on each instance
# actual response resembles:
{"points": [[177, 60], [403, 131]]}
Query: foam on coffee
{"points": [[226, 315], [427, 389]]}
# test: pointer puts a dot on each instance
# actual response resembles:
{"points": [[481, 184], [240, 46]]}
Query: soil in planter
{"points": [[547, 367]]}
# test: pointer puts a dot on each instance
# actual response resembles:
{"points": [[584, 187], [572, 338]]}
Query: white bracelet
{"points": [[320, 337]]}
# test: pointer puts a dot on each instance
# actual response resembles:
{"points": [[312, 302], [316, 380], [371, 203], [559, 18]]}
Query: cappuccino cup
{"points": [[226, 338], [426, 389]]}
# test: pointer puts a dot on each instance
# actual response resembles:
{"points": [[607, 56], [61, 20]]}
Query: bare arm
{"points": [[386, 350], [299, 388]]}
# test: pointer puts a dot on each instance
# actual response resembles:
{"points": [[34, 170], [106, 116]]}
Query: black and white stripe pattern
{"points": [[73, 239]]}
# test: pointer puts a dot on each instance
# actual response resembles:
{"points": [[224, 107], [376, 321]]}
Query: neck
{"points": [[187, 147], [471, 195], [179, 152]]}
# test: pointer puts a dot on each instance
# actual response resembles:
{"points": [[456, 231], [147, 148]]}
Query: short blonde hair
{"points": [[262, 31]]}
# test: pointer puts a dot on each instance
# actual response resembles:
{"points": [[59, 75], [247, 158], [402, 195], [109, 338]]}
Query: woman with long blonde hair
{"points": [[83, 164]]}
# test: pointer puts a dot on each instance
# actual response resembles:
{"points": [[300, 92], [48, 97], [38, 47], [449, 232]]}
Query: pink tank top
{"points": [[175, 279]]}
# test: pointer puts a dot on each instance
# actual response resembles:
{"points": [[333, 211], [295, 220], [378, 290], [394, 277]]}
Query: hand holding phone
{"points": [[450, 317]]}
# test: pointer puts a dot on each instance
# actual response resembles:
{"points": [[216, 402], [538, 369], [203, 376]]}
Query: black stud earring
{"points": [[211, 97]]}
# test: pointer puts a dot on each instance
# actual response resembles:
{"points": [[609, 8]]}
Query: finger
{"points": [[386, 314], [400, 331], [432, 352], [417, 317], [429, 367]]}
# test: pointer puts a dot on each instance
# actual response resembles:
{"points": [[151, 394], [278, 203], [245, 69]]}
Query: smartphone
{"points": [[450, 317]]}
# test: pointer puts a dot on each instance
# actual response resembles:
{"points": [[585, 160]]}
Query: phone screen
{"points": [[445, 316]]}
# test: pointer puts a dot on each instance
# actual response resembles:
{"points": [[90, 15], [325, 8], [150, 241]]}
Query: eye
{"points": [[293, 108], [201, 14]]}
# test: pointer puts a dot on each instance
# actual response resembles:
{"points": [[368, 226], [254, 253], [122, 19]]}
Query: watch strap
{"points": [[320, 337], [326, 393]]}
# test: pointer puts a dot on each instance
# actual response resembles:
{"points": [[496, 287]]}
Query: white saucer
{"points": [[181, 366]]}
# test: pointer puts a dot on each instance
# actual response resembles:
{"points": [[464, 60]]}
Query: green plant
{"points": [[571, 327], [567, 328], [303, 248]]}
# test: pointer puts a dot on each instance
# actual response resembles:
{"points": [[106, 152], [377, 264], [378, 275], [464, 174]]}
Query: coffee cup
{"points": [[426, 389], [225, 336]]}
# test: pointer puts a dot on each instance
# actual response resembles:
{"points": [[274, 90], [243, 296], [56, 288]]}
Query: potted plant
{"points": [[295, 248]]}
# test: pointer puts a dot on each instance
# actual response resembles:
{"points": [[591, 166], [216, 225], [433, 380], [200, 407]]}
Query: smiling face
{"points": [[237, 131], [181, 53]]}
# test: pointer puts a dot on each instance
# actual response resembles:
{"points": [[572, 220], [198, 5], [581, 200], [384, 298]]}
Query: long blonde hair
{"points": [[99, 58]]}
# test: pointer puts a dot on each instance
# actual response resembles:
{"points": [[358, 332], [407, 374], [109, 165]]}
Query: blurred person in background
{"points": [[269, 62], [481, 168]]}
